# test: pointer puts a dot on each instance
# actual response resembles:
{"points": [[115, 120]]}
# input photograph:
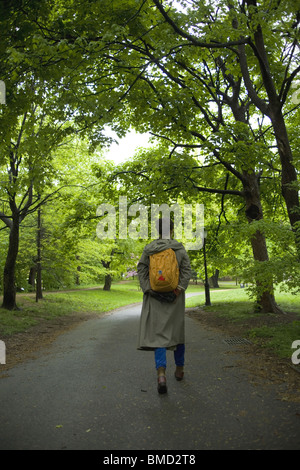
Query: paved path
{"points": [[91, 389]]}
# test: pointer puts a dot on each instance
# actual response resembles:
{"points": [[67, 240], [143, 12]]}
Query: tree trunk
{"points": [[31, 277], [214, 280], [39, 293], [9, 288], [289, 186], [265, 297], [107, 282], [108, 278]]}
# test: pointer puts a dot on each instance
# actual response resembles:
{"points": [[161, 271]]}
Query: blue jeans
{"points": [[161, 356]]}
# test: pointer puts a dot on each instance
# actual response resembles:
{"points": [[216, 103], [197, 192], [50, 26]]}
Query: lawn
{"points": [[235, 303], [57, 304]]}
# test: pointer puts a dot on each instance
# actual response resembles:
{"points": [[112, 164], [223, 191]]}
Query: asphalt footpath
{"points": [[91, 389]]}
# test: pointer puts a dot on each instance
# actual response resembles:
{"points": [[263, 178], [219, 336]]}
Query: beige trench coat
{"points": [[162, 324]]}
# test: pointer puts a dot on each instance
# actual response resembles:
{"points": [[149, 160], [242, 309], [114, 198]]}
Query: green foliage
{"points": [[71, 68], [282, 268]]}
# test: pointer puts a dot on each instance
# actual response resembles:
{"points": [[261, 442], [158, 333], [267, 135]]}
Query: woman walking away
{"points": [[164, 272]]}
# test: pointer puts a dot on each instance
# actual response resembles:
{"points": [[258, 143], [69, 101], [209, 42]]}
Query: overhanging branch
{"points": [[195, 41], [216, 191]]}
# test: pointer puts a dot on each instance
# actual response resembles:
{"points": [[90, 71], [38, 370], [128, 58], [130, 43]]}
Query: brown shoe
{"points": [[179, 373], [162, 384]]}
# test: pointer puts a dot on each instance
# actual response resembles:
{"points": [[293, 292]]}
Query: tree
{"points": [[263, 45], [45, 84], [28, 141]]}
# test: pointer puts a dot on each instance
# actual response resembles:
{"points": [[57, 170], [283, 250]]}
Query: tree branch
{"points": [[191, 38], [137, 173], [287, 85], [261, 104], [6, 220], [216, 191]]}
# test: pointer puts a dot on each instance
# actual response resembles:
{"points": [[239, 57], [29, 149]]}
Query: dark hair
{"points": [[162, 226]]}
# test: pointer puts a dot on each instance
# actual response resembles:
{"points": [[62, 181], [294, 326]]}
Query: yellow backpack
{"points": [[164, 271]]}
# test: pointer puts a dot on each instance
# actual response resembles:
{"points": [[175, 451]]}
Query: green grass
{"points": [[278, 338], [234, 304], [57, 304], [14, 322]]}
